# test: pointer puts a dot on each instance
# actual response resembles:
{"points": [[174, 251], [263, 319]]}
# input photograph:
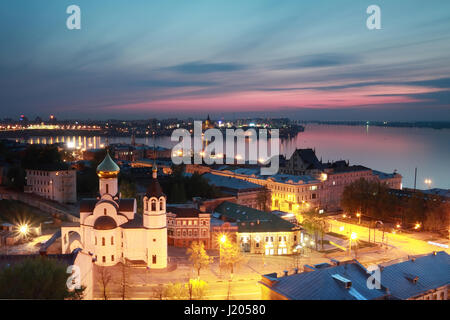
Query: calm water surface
{"points": [[381, 148]]}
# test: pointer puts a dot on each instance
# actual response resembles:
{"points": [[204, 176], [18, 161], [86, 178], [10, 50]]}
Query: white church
{"points": [[112, 232]]}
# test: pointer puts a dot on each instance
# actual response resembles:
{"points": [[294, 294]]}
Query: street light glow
{"points": [[23, 229], [353, 236], [223, 238]]}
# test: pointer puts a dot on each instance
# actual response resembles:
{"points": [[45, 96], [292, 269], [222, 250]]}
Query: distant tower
{"points": [[107, 172]]}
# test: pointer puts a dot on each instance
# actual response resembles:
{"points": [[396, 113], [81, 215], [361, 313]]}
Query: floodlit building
{"points": [[187, 224], [247, 193], [258, 231], [53, 182], [112, 232]]}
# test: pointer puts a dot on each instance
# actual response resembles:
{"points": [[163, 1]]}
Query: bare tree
{"points": [[104, 279], [124, 279]]}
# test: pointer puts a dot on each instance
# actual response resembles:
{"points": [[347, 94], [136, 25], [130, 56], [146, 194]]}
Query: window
{"points": [[112, 258], [103, 259], [153, 205], [104, 211], [107, 188], [161, 204], [112, 240], [96, 240], [154, 259], [103, 241]]}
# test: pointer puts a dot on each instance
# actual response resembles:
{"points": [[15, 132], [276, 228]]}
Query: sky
{"points": [[311, 60]]}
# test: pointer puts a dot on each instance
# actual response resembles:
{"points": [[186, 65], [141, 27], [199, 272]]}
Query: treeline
{"points": [[375, 200], [180, 187], [33, 157]]}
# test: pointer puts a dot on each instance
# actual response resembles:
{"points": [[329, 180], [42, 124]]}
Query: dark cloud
{"points": [[434, 83], [173, 83], [201, 67], [321, 60]]}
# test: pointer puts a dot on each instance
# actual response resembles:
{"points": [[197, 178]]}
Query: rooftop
{"points": [[417, 275], [252, 220], [345, 281], [230, 183]]}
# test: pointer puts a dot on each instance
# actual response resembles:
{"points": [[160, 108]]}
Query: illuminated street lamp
{"points": [[417, 226], [23, 229], [359, 217], [428, 182]]}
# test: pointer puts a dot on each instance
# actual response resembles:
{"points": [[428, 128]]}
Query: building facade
{"points": [[186, 225], [57, 184], [260, 232]]}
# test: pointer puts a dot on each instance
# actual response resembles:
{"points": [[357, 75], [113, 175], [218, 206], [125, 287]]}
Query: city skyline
{"points": [[180, 59]]}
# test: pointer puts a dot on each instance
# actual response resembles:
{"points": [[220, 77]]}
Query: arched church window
{"points": [[153, 205], [103, 241], [161, 204], [104, 211]]}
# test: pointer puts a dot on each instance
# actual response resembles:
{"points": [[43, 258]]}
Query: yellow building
{"points": [[258, 231]]}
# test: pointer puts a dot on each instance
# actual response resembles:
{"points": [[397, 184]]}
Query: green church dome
{"points": [[108, 166]]}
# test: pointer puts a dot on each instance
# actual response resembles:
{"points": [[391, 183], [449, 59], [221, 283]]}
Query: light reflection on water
{"points": [[380, 148]]}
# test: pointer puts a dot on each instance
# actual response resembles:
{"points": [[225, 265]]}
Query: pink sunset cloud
{"points": [[297, 98]]}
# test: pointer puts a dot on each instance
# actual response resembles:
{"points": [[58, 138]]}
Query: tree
{"points": [[176, 291], [263, 199], [315, 225], [104, 280], [127, 188], [36, 278], [159, 292], [197, 289], [230, 255], [370, 198], [198, 256], [437, 217], [38, 155], [123, 282]]}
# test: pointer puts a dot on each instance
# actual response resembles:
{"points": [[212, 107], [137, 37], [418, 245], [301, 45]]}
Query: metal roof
{"points": [[343, 282], [431, 271]]}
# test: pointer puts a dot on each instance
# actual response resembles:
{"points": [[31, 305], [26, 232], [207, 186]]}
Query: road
{"points": [[403, 243]]}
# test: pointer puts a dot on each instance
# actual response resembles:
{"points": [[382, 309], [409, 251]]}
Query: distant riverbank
{"points": [[393, 124]]}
